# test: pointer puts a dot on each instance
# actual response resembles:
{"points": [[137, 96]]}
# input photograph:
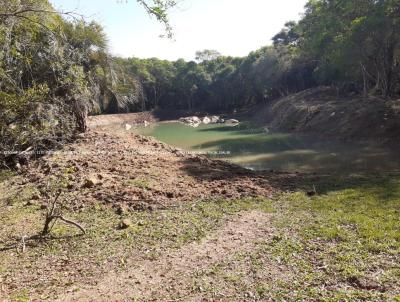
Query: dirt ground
{"points": [[122, 169], [165, 225], [170, 276], [105, 177], [320, 111]]}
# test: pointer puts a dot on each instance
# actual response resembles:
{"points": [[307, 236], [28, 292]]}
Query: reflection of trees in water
{"points": [[250, 147]]}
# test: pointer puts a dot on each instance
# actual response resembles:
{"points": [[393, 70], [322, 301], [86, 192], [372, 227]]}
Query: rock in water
{"points": [[190, 120], [206, 120], [215, 119], [232, 122], [196, 119]]}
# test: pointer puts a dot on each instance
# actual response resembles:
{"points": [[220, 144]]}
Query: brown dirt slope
{"points": [[141, 173], [320, 111]]}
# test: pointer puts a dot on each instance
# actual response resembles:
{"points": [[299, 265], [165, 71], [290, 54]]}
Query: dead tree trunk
{"points": [[81, 112]]}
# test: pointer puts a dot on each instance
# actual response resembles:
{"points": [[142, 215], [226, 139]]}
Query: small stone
{"points": [[364, 283], [232, 122], [125, 223], [35, 197], [120, 210], [206, 120], [90, 182]]}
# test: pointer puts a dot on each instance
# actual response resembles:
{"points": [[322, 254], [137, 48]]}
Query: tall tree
{"points": [[207, 55]]}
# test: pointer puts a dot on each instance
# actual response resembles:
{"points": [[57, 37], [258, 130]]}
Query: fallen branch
{"points": [[72, 223], [21, 247], [53, 213]]}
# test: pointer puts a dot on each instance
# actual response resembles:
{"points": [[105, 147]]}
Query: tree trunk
{"points": [[365, 89], [80, 111], [155, 97], [388, 63]]}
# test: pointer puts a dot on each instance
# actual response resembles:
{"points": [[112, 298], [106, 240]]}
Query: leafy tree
{"points": [[207, 55], [288, 36], [51, 70], [354, 43]]}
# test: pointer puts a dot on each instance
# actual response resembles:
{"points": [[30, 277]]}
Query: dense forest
{"points": [[353, 46], [55, 68]]}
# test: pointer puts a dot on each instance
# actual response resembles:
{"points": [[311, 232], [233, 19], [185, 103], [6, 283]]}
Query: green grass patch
{"points": [[349, 231], [151, 233], [340, 245], [139, 183], [322, 249], [5, 175]]}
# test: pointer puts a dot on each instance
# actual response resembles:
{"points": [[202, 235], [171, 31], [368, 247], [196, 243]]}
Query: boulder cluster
{"points": [[195, 121]]}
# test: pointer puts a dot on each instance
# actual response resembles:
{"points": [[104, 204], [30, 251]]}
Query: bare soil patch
{"points": [[170, 277], [122, 169]]}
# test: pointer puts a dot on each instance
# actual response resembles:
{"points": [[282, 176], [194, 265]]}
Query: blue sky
{"points": [[233, 27]]}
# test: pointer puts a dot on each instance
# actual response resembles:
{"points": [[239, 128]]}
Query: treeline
{"points": [[350, 45], [219, 83]]}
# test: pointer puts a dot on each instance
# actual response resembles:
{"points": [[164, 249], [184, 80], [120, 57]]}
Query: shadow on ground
{"points": [[382, 185]]}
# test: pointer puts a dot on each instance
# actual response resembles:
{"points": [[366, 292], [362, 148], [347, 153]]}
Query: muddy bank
{"points": [[123, 169], [119, 119], [322, 112]]}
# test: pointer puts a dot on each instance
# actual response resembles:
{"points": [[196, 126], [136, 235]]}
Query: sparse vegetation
{"points": [[341, 244]]}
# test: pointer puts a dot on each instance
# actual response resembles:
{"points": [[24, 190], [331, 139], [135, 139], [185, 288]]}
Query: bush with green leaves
{"points": [[54, 68], [43, 83]]}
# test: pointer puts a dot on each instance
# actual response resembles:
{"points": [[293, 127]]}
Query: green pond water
{"points": [[251, 147]]}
